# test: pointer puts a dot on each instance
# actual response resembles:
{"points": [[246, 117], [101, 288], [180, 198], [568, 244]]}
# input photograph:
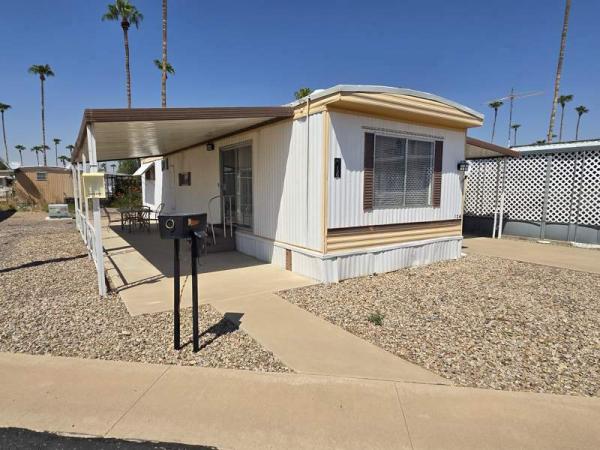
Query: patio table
{"points": [[130, 215]]}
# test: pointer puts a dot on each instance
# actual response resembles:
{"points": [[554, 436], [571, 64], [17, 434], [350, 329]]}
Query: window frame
{"points": [[40, 172], [407, 138]]}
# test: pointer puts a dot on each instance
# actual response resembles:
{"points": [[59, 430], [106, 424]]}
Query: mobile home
{"points": [[349, 181]]}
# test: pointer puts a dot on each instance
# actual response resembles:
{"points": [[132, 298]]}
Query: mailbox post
{"points": [[176, 227]]}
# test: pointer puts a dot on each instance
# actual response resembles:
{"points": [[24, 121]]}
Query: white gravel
{"points": [[479, 321], [49, 305]]}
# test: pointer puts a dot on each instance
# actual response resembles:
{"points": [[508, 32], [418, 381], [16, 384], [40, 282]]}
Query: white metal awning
{"points": [[147, 132], [142, 169]]}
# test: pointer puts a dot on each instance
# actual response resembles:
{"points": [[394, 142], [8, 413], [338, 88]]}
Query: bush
{"points": [[376, 318]]}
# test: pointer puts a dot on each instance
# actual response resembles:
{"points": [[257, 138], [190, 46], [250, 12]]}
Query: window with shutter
{"points": [[403, 172]]}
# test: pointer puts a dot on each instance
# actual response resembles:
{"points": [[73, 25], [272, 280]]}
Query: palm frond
{"points": [[158, 64], [4, 107]]}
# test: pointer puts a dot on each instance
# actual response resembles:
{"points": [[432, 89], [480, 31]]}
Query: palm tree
{"points": [[56, 142], [302, 92], [563, 100], [581, 110], [37, 150], [164, 65], [515, 127], [20, 149], [103, 167], [44, 148], [128, 14], [64, 160], [70, 147], [495, 105], [114, 166], [4, 107], [44, 71], [561, 58]]}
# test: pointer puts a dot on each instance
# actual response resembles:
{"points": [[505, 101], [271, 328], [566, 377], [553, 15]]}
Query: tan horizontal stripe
{"points": [[393, 227], [376, 242], [392, 234]]}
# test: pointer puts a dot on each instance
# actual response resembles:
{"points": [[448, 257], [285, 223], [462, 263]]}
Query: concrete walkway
{"points": [[561, 256], [246, 410], [139, 267]]}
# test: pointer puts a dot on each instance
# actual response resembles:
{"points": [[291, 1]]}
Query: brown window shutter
{"points": [[437, 173], [369, 154]]}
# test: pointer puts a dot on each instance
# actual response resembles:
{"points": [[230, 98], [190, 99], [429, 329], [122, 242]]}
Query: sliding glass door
{"points": [[236, 183]]}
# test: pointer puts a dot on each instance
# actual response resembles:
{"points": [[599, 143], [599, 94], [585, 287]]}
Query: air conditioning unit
{"points": [[58, 211]]}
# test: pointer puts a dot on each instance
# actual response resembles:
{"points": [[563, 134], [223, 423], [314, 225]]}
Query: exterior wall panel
{"points": [[57, 187], [287, 181], [346, 193]]}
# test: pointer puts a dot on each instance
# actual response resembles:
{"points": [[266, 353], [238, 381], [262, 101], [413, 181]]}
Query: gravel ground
{"points": [[49, 305], [480, 321]]}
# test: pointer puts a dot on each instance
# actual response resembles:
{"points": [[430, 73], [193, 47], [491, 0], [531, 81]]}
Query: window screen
{"points": [[41, 176], [402, 172]]}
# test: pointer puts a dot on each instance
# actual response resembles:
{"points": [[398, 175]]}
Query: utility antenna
{"points": [[512, 97]]}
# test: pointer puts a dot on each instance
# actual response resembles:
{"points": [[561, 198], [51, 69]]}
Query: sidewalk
{"points": [[561, 256], [246, 410]]}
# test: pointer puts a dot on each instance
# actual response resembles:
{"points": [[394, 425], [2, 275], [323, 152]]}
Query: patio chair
{"points": [[143, 218], [154, 214]]}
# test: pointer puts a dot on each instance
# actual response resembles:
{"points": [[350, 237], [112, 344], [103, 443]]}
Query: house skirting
{"points": [[334, 267]]}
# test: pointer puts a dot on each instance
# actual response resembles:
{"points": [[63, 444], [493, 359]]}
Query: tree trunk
{"points": [[163, 91], [561, 57], [577, 128], [562, 116], [515, 136], [4, 136], [37, 156], [494, 125], [56, 155], [21, 157], [43, 123], [125, 26]]}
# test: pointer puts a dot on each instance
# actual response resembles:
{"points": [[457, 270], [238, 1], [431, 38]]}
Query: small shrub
{"points": [[376, 318]]}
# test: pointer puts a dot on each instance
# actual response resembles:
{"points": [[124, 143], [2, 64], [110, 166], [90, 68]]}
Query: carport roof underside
{"points": [[146, 132]]}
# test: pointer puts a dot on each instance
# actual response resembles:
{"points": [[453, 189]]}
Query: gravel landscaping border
{"points": [[479, 321], [49, 305]]}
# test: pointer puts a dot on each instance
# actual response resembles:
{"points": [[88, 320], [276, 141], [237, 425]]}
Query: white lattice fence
{"points": [[559, 188]]}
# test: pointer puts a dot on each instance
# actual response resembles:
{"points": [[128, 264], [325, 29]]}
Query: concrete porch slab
{"points": [[140, 268]]}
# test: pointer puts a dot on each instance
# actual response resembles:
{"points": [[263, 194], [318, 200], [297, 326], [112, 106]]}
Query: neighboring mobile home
{"points": [[349, 181], [41, 185]]}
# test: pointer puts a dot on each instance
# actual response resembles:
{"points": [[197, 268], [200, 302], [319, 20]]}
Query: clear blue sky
{"points": [[260, 52]]}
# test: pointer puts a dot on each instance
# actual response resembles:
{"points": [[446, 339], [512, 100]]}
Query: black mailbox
{"points": [[180, 226]]}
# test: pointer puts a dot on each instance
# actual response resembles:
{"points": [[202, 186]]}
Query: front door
{"points": [[236, 183]]}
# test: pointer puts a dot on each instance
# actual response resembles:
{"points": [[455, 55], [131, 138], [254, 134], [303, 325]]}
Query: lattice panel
{"points": [[524, 188], [573, 187], [480, 198], [566, 169], [588, 210]]}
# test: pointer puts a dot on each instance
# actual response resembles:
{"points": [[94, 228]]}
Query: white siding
{"points": [[152, 189], [282, 209], [346, 193], [281, 180], [381, 261], [204, 167]]}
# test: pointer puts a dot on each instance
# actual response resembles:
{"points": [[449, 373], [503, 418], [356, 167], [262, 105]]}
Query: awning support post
{"points": [[98, 251]]}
